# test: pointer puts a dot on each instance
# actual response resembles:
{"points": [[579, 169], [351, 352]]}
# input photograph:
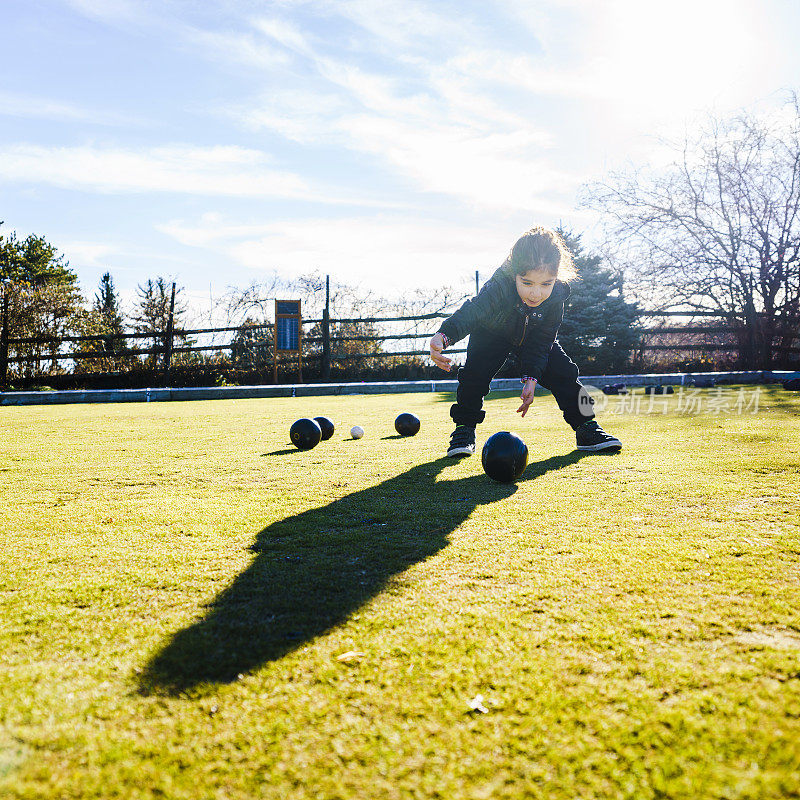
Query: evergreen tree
{"points": [[151, 315], [600, 328], [104, 319], [44, 299], [106, 308], [34, 263]]}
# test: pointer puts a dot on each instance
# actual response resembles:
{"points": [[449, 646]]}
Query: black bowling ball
{"points": [[326, 426], [407, 424], [305, 434], [659, 389], [504, 457]]}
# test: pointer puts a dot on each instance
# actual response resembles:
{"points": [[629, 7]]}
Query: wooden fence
{"points": [[167, 343]]}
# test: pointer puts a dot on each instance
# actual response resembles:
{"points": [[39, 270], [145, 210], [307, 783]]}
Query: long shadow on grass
{"points": [[313, 570]]}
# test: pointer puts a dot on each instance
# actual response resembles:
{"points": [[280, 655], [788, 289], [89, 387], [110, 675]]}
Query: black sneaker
{"points": [[590, 436], [462, 442]]}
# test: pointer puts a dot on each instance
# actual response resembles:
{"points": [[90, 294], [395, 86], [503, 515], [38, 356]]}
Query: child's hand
{"points": [[527, 396], [437, 345]]}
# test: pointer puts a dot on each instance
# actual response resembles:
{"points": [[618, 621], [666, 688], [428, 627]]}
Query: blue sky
{"points": [[390, 143]]}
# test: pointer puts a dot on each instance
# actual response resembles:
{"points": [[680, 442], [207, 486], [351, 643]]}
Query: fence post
{"points": [[4, 340], [168, 338], [326, 331], [751, 358]]}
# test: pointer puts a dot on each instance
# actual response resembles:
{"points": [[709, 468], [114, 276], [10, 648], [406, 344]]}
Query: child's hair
{"points": [[541, 248]]}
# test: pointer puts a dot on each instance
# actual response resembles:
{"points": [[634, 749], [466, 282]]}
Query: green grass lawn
{"points": [[178, 587]]}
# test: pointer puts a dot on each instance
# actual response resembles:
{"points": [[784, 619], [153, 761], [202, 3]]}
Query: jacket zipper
{"points": [[524, 328]]}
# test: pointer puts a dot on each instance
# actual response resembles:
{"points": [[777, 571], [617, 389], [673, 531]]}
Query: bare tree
{"points": [[718, 230], [253, 304], [354, 343]]}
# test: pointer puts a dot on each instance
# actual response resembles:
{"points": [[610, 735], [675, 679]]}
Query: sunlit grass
{"points": [[178, 584]]}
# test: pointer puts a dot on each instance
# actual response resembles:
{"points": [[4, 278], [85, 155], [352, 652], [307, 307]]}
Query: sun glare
{"points": [[677, 55]]}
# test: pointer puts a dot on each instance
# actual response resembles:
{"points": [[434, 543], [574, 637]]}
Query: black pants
{"points": [[487, 353]]}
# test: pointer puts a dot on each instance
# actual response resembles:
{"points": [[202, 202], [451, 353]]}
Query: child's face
{"points": [[535, 286]]}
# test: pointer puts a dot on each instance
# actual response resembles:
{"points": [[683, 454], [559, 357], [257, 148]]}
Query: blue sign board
{"points": [[287, 333]]}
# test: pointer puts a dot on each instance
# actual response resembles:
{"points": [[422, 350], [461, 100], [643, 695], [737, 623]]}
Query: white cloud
{"points": [[448, 139], [502, 170], [407, 24], [15, 105], [298, 114], [31, 107], [86, 254], [244, 48], [222, 170], [285, 33], [110, 11], [385, 251]]}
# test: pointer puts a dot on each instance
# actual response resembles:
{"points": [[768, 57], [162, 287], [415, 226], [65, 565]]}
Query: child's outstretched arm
{"points": [[438, 344], [528, 390]]}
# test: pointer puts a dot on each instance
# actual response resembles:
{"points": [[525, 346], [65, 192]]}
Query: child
{"points": [[516, 315]]}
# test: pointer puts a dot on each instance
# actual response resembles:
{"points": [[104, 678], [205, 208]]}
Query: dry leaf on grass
{"points": [[476, 704], [351, 655]]}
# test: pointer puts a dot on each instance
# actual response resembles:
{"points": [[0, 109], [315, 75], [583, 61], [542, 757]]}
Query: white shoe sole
{"points": [[468, 450], [615, 444]]}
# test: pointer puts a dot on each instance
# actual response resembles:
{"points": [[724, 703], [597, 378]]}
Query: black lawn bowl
{"points": [[504, 457], [615, 388], [326, 426], [305, 434], [407, 424], [659, 390]]}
